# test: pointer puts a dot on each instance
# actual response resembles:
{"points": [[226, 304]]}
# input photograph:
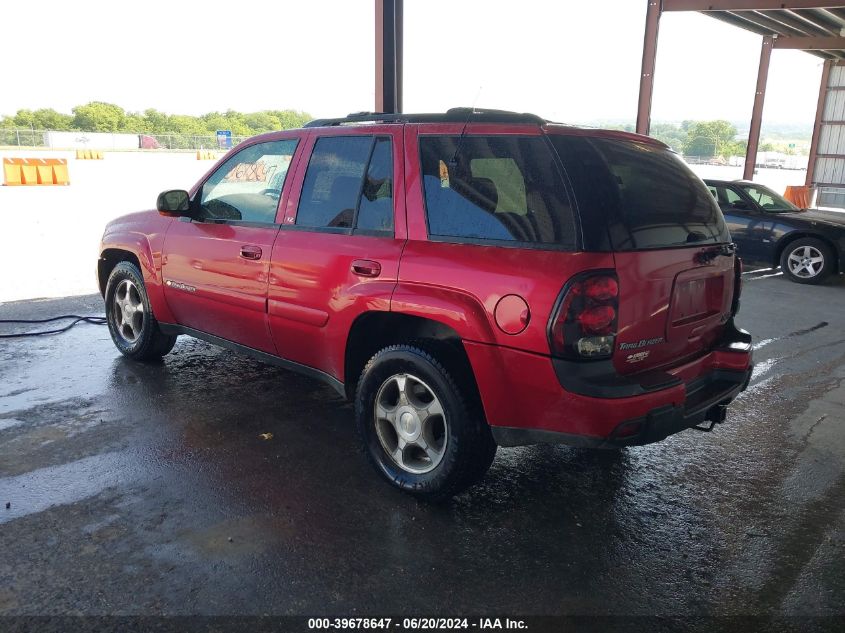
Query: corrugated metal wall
{"points": [[830, 164]]}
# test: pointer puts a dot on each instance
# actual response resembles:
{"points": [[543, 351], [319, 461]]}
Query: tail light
{"points": [[584, 324], [737, 285]]}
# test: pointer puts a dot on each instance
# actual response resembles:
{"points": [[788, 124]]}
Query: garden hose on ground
{"points": [[94, 320]]}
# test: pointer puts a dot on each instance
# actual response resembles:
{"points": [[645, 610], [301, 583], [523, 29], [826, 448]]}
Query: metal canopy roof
{"points": [[815, 26]]}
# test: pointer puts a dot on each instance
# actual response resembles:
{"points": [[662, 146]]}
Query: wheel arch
{"points": [[134, 248], [109, 258], [372, 331]]}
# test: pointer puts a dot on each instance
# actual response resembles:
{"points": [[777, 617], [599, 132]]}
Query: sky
{"points": [[566, 60]]}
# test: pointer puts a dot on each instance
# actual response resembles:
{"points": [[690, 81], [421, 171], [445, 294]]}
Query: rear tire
{"points": [[807, 261], [132, 325], [420, 428]]}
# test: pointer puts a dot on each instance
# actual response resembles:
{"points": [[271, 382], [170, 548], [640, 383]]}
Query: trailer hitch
{"points": [[715, 415]]}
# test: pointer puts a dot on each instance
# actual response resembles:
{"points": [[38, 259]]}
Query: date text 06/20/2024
{"points": [[416, 624]]}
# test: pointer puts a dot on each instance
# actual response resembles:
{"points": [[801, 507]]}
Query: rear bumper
{"points": [[600, 380], [706, 402], [529, 400]]}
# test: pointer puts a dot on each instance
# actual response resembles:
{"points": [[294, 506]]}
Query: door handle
{"points": [[251, 252], [366, 268]]}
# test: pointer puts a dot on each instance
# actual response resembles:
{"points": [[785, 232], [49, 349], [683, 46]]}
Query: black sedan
{"points": [[808, 244]]}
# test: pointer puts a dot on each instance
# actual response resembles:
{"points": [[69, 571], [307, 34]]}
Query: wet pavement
{"points": [[148, 489]]}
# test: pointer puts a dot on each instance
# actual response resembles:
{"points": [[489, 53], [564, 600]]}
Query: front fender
{"points": [[146, 246]]}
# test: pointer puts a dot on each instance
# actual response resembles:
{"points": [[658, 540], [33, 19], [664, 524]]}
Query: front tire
{"points": [[132, 326], [421, 430], [807, 261]]}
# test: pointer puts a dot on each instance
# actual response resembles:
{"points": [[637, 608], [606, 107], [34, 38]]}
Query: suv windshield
{"points": [[768, 199], [642, 194]]}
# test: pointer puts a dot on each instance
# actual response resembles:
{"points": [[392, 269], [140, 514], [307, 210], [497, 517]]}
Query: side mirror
{"points": [[174, 203], [740, 204]]}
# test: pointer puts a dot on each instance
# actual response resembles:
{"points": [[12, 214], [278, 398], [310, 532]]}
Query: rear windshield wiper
{"points": [[695, 236], [722, 250]]}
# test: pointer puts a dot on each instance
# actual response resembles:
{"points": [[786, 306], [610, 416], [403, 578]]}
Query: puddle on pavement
{"points": [[763, 367], [8, 423], [87, 375], [44, 488]]}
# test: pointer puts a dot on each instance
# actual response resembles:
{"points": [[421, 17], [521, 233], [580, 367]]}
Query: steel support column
{"points": [[757, 112], [652, 23], [817, 126], [388, 55]]}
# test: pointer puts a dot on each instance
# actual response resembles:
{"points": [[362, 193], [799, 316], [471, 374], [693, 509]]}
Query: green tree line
{"points": [[704, 139], [98, 116], [707, 139]]}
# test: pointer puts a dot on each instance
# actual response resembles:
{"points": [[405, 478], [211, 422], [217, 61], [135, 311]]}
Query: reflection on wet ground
{"points": [[148, 489]]}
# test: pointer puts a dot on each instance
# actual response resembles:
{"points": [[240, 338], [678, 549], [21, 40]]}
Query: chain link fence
{"points": [[22, 138], [41, 138]]}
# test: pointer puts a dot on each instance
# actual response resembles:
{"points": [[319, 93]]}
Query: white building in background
{"points": [[90, 140], [773, 160]]}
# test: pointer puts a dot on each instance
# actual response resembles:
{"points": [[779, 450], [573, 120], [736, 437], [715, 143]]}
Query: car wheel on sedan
{"points": [[807, 261], [132, 326], [421, 428]]}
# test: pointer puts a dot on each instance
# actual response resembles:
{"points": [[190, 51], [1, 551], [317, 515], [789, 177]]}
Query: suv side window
{"points": [[348, 184], [247, 187], [732, 196], [725, 196], [763, 198], [495, 188], [375, 210]]}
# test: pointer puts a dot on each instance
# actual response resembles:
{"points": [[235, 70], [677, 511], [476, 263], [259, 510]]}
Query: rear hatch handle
{"points": [[722, 250]]}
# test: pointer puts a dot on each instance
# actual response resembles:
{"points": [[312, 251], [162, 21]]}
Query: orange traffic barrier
{"points": [[89, 154], [799, 196], [35, 171], [45, 173], [29, 173], [12, 171], [60, 173]]}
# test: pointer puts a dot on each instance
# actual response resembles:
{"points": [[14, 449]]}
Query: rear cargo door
{"points": [[671, 246], [673, 305]]}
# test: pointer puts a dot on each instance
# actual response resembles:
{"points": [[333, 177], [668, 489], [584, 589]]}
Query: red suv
{"points": [[470, 279]]}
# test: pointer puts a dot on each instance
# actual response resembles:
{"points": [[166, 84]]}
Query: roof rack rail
{"points": [[453, 115]]}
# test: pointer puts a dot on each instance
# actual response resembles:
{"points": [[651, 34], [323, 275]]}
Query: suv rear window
{"points": [[644, 196], [500, 189]]}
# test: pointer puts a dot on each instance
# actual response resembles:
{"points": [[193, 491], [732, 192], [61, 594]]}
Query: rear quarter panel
{"points": [[461, 284]]}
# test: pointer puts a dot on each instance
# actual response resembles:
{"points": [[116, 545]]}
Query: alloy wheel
{"points": [[410, 423], [128, 311], [805, 262]]}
